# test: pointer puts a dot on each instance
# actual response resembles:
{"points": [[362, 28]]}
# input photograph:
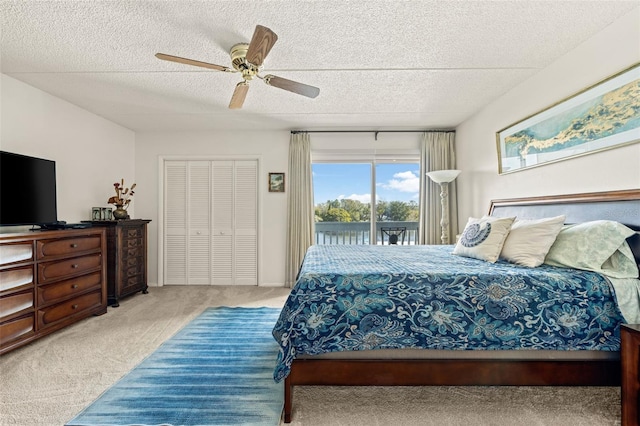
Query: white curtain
{"points": [[300, 212], [437, 153]]}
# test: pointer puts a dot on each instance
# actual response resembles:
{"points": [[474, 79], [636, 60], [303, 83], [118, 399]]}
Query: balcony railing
{"points": [[360, 232]]}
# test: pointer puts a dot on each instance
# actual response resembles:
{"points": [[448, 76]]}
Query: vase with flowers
{"points": [[121, 200]]}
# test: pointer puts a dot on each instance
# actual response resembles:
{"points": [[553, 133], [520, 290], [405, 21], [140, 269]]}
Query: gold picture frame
{"points": [[276, 182], [600, 117]]}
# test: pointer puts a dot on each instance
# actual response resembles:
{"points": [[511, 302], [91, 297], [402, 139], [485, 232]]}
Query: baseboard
{"points": [[271, 285]]}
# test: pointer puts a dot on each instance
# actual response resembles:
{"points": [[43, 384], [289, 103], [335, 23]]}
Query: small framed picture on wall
{"points": [[276, 182]]}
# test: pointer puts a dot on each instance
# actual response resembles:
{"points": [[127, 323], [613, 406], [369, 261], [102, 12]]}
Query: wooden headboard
{"points": [[621, 206]]}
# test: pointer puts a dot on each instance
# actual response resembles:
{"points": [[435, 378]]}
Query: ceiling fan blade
{"points": [[178, 59], [239, 94], [261, 43], [292, 86]]}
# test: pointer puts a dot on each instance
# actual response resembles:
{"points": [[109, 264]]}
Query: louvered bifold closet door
{"points": [[199, 211], [210, 225], [222, 235], [246, 222], [175, 222]]}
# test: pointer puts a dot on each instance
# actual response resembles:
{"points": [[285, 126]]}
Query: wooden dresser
{"points": [[49, 280], [630, 360], [126, 257]]}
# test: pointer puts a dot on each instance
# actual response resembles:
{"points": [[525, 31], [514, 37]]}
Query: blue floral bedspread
{"points": [[351, 298]]}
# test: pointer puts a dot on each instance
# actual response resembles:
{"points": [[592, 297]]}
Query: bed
{"points": [[457, 336]]}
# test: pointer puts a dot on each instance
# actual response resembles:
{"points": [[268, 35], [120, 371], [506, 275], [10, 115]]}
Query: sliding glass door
{"points": [[397, 187], [366, 202], [342, 198]]}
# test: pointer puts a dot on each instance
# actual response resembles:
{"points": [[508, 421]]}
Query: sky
{"points": [[394, 181]]}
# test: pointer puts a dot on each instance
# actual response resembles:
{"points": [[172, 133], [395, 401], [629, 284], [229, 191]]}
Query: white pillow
{"points": [[483, 238], [598, 246], [529, 240]]}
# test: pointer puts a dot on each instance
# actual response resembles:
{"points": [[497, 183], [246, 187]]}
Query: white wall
{"points": [[272, 149], [607, 53], [91, 153]]}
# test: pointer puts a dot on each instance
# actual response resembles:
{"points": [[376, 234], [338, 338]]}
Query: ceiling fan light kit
{"points": [[247, 59]]}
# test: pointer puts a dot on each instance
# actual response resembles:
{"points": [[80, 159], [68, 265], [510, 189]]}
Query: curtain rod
{"points": [[375, 132]]}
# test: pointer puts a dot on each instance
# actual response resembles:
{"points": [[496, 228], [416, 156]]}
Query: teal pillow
{"points": [[598, 246]]}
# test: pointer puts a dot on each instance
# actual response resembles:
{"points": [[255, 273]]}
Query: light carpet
{"points": [[218, 370], [49, 381]]}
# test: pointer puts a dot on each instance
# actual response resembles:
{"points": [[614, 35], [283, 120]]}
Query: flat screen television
{"points": [[27, 190]]}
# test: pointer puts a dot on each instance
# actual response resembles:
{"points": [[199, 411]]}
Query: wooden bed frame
{"points": [[622, 206]]}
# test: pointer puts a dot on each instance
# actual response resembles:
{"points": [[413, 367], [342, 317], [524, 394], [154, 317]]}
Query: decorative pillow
{"points": [[598, 246], [483, 238], [529, 240]]}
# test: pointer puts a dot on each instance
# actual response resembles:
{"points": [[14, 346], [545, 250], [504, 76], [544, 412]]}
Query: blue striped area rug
{"points": [[218, 370]]}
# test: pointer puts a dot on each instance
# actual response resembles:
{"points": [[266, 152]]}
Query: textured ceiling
{"points": [[378, 64]]}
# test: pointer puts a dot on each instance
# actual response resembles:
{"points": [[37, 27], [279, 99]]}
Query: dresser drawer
{"points": [[129, 252], [12, 253], [135, 232], [19, 327], [14, 303], [49, 280], [136, 268], [60, 290], [52, 314], [67, 246], [132, 261], [13, 278], [52, 271], [129, 243], [133, 284]]}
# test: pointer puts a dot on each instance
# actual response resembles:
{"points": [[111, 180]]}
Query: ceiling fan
{"points": [[247, 59]]}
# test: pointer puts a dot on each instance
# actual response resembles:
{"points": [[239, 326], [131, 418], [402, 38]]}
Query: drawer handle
{"points": [[74, 245], [74, 306], [74, 286], [74, 266]]}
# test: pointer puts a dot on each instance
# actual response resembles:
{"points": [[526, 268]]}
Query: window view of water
{"points": [[355, 200]]}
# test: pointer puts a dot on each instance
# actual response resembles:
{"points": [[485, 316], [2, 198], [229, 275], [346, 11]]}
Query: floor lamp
{"points": [[443, 177]]}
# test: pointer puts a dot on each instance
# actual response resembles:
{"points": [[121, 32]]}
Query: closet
{"points": [[210, 222]]}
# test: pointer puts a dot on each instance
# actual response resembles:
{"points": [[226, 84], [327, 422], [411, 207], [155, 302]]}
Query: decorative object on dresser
{"points": [[121, 200], [126, 257], [106, 213], [630, 366], [101, 213], [49, 280]]}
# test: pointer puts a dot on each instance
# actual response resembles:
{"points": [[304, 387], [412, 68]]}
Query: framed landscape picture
{"points": [[603, 116], [276, 182]]}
